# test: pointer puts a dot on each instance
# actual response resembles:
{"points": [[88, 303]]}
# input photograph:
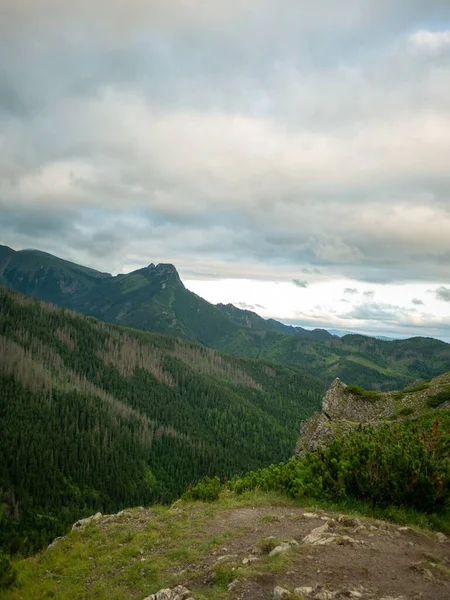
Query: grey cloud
{"points": [[246, 306], [369, 294], [443, 293], [300, 283], [417, 301], [350, 291], [207, 146], [377, 312]]}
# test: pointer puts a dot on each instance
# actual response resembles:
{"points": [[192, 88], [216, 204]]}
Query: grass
{"points": [[356, 390]]}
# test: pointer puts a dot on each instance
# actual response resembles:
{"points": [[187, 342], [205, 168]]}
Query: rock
{"points": [[309, 515], [349, 522], [177, 593], [305, 590], [226, 558], [281, 549], [403, 529], [249, 559], [83, 522], [355, 594], [321, 536], [325, 595], [56, 541], [233, 585], [280, 593], [441, 537]]}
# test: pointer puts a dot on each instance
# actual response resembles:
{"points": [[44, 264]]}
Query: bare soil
{"points": [[380, 561]]}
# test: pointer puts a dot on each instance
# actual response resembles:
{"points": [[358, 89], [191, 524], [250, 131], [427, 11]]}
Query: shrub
{"points": [[362, 393], [7, 572], [401, 464], [206, 490], [439, 398]]}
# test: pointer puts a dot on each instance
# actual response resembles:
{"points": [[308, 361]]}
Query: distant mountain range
{"points": [[155, 299]]}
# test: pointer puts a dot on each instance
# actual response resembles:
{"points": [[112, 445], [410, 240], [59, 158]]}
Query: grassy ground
{"points": [[140, 551]]}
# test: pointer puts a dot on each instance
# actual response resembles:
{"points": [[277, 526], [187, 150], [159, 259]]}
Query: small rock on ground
{"points": [[280, 593]]}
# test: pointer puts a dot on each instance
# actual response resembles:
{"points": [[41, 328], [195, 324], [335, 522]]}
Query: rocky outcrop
{"points": [[347, 408], [81, 524]]}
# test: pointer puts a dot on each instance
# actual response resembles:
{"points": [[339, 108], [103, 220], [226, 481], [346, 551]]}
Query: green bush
{"points": [[405, 411], [206, 490], [362, 393], [7, 572], [417, 388], [403, 464], [439, 398]]}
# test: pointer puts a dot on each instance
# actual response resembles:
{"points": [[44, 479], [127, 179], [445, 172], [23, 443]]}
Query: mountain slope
{"points": [[97, 417], [155, 299], [46, 277]]}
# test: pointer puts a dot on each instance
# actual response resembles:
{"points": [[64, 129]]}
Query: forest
{"points": [[96, 417]]}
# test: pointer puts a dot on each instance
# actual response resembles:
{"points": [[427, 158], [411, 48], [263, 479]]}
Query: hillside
{"points": [[155, 299], [97, 417], [225, 551]]}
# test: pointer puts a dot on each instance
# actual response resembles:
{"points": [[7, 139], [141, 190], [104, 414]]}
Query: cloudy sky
{"points": [[286, 155]]}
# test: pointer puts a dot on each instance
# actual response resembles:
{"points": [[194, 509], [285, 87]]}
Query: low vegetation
{"points": [[404, 465]]}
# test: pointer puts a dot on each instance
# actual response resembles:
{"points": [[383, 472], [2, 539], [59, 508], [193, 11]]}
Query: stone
{"points": [[233, 585], [325, 595], [355, 594], [280, 593], [81, 524], [305, 590], [441, 537], [349, 522], [309, 515], [249, 559], [281, 549], [177, 593], [322, 536]]}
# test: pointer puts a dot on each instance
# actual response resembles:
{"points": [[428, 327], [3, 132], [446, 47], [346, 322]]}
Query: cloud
{"points": [[246, 306], [369, 294], [379, 312], [199, 133], [430, 41], [443, 293], [417, 301], [300, 283], [350, 291]]}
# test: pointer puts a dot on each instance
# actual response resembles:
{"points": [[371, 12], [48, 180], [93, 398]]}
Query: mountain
{"points": [[99, 417], [155, 299], [46, 277]]}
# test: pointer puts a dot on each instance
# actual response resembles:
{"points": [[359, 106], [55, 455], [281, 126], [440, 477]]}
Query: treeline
{"points": [[96, 417]]}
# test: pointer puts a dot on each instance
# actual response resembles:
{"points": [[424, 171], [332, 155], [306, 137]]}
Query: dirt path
{"points": [[347, 558]]}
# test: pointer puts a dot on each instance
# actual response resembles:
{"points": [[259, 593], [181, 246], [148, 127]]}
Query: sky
{"points": [[288, 156]]}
